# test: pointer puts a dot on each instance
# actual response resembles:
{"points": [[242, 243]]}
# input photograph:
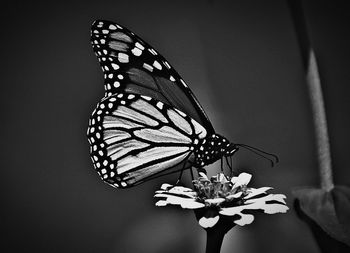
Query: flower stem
{"points": [[214, 241], [316, 97], [216, 234]]}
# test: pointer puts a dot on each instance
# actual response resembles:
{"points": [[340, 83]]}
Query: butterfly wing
{"points": [[133, 137], [131, 65]]}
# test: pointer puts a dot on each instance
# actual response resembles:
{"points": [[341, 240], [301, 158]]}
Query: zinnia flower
{"points": [[222, 196]]}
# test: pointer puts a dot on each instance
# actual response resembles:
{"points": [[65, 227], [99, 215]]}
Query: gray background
{"points": [[241, 60]]}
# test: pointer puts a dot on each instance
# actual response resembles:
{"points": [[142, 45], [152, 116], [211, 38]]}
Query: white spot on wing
{"points": [[183, 83], [112, 27], [160, 105], [136, 51], [115, 66], [152, 51], [157, 65], [146, 98], [123, 58], [148, 67], [137, 44], [167, 64]]}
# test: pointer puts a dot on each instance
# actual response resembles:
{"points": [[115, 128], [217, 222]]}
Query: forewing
{"points": [[134, 137], [131, 65]]}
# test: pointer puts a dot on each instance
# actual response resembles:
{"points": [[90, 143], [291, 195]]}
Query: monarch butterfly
{"points": [[149, 120]]}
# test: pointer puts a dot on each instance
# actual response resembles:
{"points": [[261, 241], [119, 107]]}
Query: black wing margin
{"points": [[131, 65]]}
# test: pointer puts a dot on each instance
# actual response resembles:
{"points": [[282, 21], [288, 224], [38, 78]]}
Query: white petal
{"points": [[180, 189], [221, 178], [161, 203], [165, 186], [208, 222], [254, 192], [215, 201], [234, 196], [242, 179], [245, 219], [175, 200], [275, 208], [203, 175], [270, 197], [230, 211], [191, 195], [233, 180], [192, 205]]}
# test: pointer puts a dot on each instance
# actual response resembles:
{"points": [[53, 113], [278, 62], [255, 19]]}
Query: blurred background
{"points": [[242, 61]]}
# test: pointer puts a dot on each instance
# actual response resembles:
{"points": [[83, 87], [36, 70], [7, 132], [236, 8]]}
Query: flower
{"points": [[222, 196]]}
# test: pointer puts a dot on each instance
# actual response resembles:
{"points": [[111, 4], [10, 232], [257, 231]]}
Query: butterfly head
{"points": [[230, 149], [212, 148]]}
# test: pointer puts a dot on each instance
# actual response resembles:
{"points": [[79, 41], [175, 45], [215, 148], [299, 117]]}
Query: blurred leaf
{"points": [[330, 210]]}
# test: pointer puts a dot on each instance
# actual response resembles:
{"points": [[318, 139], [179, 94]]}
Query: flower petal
{"points": [[208, 222], [231, 211], [203, 175], [177, 190], [175, 200], [221, 178], [270, 197], [244, 220], [161, 203], [165, 186], [242, 179], [215, 201], [234, 196], [257, 204], [254, 192]]}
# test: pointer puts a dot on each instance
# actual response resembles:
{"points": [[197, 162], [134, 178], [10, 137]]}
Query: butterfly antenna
{"points": [[261, 153], [228, 163], [191, 173]]}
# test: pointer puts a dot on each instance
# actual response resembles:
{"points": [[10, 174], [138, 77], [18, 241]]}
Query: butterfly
{"points": [[148, 121]]}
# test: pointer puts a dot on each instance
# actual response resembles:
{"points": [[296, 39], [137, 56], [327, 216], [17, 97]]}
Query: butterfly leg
{"points": [[222, 164], [228, 164], [181, 172], [191, 173]]}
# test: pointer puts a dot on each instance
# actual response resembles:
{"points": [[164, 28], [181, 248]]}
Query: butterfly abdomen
{"points": [[211, 149]]}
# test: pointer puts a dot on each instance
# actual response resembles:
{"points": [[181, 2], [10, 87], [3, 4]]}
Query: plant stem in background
{"points": [[320, 123], [316, 97]]}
